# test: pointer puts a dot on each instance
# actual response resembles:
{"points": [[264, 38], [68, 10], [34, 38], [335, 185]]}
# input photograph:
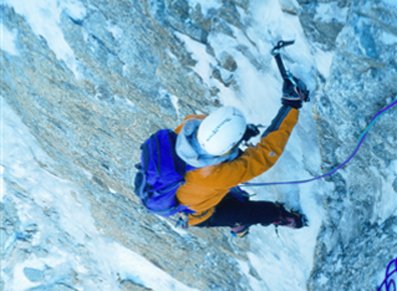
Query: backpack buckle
{"points": [[182, 220]]}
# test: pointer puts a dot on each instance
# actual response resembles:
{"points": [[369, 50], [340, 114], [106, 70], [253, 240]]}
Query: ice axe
{"points": [[297, 85]]}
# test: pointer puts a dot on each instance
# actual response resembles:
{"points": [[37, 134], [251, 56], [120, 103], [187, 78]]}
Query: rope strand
{"points": [[340, 166]]}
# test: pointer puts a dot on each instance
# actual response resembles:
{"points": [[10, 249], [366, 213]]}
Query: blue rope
{"points": [[340, 166]]}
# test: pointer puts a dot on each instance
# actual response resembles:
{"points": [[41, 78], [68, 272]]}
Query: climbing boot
{"points": [[239, 230], [291, 218]]}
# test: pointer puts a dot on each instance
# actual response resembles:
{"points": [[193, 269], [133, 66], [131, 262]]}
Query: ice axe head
{"points": [[281, 44]]}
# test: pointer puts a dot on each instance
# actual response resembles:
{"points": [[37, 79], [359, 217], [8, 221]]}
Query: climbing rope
{"points": [[340, 166]]}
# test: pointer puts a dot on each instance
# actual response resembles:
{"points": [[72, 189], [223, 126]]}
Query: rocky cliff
{"points": [[120, 71], [359, 236], [91, 110]]}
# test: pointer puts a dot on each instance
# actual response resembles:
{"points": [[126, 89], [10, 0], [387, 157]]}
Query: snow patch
{"points": [[174, 101], [388, 38], [253, 88], [141, 270], [255, 284], [44, 17], [323, 280], [199, 53], [206, 5], [330, 12], [324, 62], [73, 8], [116, 31], [387, 204], [8, 40], [2, 184], [291, 6], [391, 3]]}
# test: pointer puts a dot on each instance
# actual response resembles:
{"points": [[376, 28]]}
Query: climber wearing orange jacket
{"points": [[210, 145]]}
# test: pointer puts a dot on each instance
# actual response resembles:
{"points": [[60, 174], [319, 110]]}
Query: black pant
{"points": [[232, 211]]}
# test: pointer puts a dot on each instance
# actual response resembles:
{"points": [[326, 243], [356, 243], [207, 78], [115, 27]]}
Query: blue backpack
{"points": [[160, 174]]}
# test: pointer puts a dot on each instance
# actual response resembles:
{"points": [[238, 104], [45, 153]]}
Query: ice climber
{"points": [[211, 145], [196, 169]]}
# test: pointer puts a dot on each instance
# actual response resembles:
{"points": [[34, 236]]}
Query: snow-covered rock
{"points": [[84, 82], [359, 233]]}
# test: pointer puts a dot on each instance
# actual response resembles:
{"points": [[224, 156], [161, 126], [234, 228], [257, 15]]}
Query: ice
{"points": [[44, 16], [7, 40]]}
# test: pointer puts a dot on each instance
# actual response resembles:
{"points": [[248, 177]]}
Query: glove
{"points": [[294, 92], [251, 131]]}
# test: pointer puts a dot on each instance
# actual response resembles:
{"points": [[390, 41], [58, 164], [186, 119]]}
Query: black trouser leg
{"points": [[232, 212]]}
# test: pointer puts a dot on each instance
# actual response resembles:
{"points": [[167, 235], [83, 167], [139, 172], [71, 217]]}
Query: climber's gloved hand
{"points": [[294, 92], [251, 131]]}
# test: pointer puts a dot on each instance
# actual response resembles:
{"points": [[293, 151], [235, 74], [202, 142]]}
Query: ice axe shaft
{"points": [[281, 66], [276, 53]]}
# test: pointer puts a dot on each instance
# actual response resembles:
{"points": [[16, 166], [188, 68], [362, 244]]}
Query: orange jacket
{"points": [[205, 187]]}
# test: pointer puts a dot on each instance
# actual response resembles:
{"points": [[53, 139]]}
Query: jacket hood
{"points": [[189, 150]]}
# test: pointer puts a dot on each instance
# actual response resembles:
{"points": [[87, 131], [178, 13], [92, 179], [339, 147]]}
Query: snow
{"points": [[204, 60], [283, 27], [206, 5], [388, 38], [387, 205], [7, 40], [2, 186], [323, 62], [174, 101], [44, 17], [282, 262], [285, 262], [116, 31], [329, 12], [392, 3], [55, 206]]}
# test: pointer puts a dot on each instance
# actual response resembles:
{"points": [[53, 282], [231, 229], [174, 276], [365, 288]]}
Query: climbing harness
{"points": [[287, 76]]}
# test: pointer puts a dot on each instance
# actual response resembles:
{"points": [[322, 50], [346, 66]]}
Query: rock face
{"points": [[358, 239], [94, 124], [91, 110], [323, 20]]}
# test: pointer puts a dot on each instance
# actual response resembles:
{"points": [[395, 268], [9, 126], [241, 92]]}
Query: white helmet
{"points": [[220, 131]]}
